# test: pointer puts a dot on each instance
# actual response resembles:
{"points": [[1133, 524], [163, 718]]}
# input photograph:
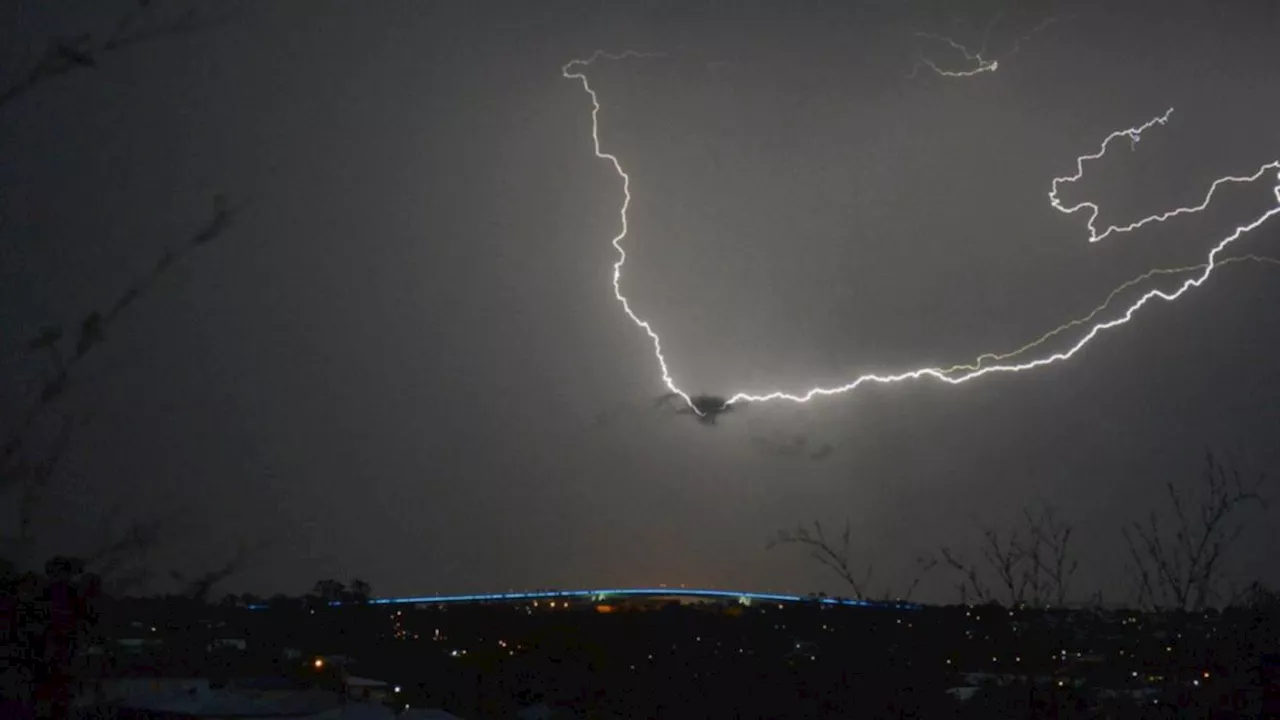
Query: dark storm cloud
{"points": [[394, 366]]}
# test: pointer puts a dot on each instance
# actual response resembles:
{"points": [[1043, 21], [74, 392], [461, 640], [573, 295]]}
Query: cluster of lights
{"points": [[398, 626], [576, 70], [802, 651]]}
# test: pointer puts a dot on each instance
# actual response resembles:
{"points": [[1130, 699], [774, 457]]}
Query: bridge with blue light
{"points": [[602, 595]]}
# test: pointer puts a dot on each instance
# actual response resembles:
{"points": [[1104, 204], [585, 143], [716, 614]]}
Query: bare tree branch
{"points": [[66, 56], [1184, 571], [836, 557], [1032, 563], [93, 330], [26, 466], [1006, 559], [971, 587], [1049, 552]]}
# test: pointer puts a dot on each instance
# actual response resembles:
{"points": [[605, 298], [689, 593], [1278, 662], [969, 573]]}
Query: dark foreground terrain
{"points": [[673, 658]]}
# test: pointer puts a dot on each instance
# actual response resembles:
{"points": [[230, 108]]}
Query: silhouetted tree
{"points": [[1177, 565], [1257, 597], [45, 619], [836, 557], [53, 608], [37, 443], [328, 591], [64, 56], [198, 587], [360, 591], [1031, 563]]}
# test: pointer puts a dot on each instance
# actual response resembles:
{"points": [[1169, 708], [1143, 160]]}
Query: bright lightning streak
{"points": [[573, 70], [1106, 304], [947, 376], [961, 373], [1134, 135]]}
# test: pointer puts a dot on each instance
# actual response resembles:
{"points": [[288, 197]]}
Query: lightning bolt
{"points": [[573, 70], [980, 63], [955, 375], [1135, 134], [1017, 44], [1106, 304]]}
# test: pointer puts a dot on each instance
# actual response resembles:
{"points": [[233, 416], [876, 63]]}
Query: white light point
{"points": [[958, 374]]}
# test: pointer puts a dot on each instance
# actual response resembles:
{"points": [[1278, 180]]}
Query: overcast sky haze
{"points": [[404, 362]]}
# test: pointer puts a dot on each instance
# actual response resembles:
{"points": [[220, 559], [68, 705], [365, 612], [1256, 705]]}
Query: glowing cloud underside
{"points": [[987, 363]]}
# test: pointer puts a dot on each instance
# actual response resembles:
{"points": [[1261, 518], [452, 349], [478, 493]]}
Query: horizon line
{"points": [[601, 594]]}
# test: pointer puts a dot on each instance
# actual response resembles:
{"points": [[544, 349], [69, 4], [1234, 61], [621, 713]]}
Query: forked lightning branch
{"points": [[1023, 359]]}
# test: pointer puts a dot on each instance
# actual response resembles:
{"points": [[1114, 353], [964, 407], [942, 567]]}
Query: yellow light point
{"points": [[319, 663], [955, 375]]}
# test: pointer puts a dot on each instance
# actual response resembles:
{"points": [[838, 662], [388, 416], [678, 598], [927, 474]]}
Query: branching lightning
{"points": [[1134, 135], [987, 363], [1078, 322], [573, 70], [980, 64]]}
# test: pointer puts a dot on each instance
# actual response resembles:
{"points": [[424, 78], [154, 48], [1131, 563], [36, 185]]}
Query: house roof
{"points": [[366, 711], [270, 682], [232, 704], [427, 714]]}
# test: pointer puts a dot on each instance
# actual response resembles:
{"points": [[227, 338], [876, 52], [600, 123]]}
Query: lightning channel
{"points": [[945, 375], [1120, 289], [575, 70], [958, 374], [980, 64], [1134, 134]]}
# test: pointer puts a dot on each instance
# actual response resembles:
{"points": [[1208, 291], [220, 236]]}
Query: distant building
{"points": [[426, 714], [228, 643], [360, 688]]}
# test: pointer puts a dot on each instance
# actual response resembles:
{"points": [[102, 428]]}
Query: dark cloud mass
{"points": [[403, 362]]}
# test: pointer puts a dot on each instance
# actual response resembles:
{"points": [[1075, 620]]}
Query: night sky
{"points": [[404, 362]]}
